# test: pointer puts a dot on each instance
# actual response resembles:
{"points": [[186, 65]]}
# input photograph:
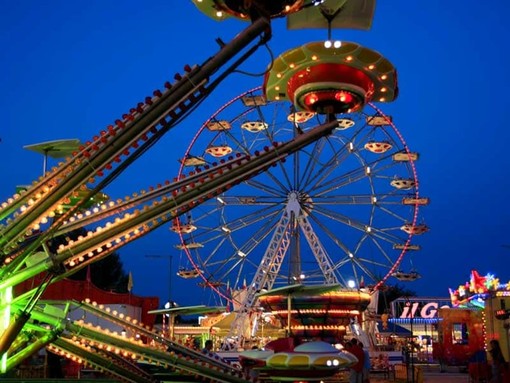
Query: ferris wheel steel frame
{"points": [[270, 265]]}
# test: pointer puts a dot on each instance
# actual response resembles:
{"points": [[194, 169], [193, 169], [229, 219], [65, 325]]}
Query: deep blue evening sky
{"points": [[69, 68]]}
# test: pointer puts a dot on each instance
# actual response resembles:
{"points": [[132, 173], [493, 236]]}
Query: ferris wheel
{"points": [[342, 210]]}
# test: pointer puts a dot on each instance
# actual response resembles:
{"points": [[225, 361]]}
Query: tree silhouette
{"points": [[389, 293]]}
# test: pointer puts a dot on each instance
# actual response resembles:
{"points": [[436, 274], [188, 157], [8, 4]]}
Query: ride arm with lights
{"points": [[131, 136], [124, 141], [76, 255]]}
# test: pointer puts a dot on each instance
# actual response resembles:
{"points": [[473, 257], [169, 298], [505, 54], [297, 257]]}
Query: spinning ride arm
{"points": [[25, 213], [110, 351], [182, 196], [129, 137], [195, 190]]}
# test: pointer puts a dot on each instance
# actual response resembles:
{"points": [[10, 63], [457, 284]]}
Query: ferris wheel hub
{"points": [[293, 205], [296, 201]]}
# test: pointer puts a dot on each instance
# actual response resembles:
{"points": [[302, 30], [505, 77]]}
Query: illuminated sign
{"points": [[424, 308], [502, 314]]}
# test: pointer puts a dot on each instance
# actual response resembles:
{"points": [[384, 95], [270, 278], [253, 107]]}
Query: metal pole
{"points": [[171, 317], [289, 315], [170, 279], [412, 344]]}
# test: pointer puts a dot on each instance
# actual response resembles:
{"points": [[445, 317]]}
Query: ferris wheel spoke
{"points": [[391, 235], [393, 195], [382, 202], [362, 266], [344, 200], [381, 164], [337, 241], [339, 154], [357, 261], [257, 238], [276, 192], [348, 178], [312, 163], [251, 218], [234, 265], [327, 168], [366, 170], [217, 255], [215, 208], [210, 254], [272, 124], [218, 268], [382, 250], [212, 233], [382, 233], [386, 234], [285, 176], [361, 251], [205, 235], [341, 218], [240, 145], [350, 257], [248, 200], [274, 129], [366, 262], [392, 213]]}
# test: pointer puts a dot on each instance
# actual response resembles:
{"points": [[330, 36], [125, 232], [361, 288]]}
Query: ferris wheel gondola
{"points": [[406, 276], [188, 273]]}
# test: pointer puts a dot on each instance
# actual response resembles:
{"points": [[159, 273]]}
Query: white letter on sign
{"points": [[429, 310]]}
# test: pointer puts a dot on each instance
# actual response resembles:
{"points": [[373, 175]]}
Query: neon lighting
{"points": [[415, 320], [316, 311], [6, 300], [477, 290]]}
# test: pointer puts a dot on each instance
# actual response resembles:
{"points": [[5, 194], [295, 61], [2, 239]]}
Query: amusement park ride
{"points": [[307, 158]]}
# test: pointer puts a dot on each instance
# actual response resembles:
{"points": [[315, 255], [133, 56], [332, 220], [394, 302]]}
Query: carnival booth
{"points": [[478, 315]]}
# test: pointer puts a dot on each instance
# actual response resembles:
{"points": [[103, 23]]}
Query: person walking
{"points": [[499, 366], [356, 375], [366, 364]]}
